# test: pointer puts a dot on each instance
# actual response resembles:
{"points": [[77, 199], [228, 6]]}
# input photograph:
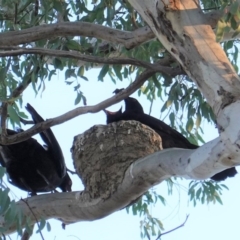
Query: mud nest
{"points": [[102, 154]]}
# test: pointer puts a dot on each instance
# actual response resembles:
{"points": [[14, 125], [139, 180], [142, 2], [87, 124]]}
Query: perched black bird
{"points": [[131, 104], [54, 150], [170, 137], [33, 167]]}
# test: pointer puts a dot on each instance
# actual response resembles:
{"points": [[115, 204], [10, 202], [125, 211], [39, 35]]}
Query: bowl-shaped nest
{"points": [[102, 154]]}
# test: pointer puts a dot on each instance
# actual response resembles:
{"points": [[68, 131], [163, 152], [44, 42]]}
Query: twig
{"points": [[25, 235], [25, 201], [26, 122], [3, 119], [72, 172], [182, 225], [4, 109]]}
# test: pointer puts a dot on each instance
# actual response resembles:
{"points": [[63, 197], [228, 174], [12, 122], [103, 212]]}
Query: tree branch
{"points": [[127, 39], [182, 225], [144, 173], [15, 51], [3, 120], [80, 110]]}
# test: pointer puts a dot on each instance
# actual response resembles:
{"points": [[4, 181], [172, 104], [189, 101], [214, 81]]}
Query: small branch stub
{"points": [[103, 153]]}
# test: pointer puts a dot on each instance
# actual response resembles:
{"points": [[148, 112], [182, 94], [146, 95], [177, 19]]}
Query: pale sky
{"points": [[205, 221]]}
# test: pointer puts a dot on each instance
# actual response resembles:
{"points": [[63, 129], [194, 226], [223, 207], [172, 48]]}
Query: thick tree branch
{"points": [[127, 39], [144, 173], [61, 29], [15, 51]]}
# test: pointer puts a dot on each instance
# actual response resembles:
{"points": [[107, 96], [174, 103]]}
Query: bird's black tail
{"points": [[230, 172], [51, 142]]}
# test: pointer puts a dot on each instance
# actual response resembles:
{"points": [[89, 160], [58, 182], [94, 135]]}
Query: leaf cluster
{"points": [[150, 225], [205, 192]]}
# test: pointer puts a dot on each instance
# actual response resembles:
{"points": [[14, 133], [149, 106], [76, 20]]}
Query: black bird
{"points": [[170, 137], [33, 167], [131, 104], [54, 150], [113, 116]]}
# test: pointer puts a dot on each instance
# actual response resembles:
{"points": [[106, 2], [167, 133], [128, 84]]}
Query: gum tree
{"points": [[173, 50]]}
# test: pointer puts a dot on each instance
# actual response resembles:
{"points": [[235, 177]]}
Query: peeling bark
{"points": [[181, 28]]}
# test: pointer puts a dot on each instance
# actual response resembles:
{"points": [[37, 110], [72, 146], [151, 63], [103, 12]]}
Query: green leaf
{"points": [[78, 99], [234, 24], [69, 82], [70, 73], [234, 8], [80, 72], [77, 87], [223, 185], [189, 125], [16, 70], [58, 64], [13, 114], [2, 171], [103, 72], [12, 211], [198, 120], [228, 45], [199, 137], [22, 115], [198, 193], [156, 82], [219, 199], [162, 199], [117, 69], [169, 103], [172, 118], [125, 72], [48, 227], [3, 72], [41, 225], [220, 30], [84, 78], [4, 200], [73, 45]]}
